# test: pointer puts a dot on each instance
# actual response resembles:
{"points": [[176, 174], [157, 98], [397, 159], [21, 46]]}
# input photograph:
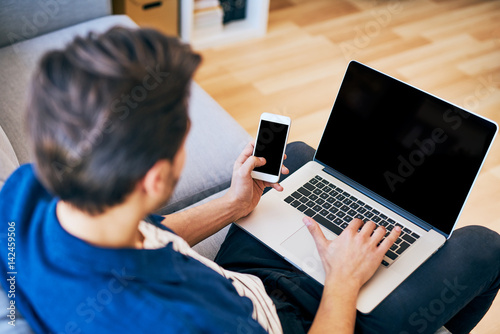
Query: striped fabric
{"points": [[264, 311]]}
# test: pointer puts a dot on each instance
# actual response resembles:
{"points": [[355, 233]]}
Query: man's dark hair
{"points": [[105, 109]]}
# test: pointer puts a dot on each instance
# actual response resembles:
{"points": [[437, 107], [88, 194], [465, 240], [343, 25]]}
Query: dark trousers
{"points": [[454, 288]]}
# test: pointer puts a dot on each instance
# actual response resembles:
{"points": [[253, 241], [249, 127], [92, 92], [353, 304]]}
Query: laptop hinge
{"points": [[379, 199]]}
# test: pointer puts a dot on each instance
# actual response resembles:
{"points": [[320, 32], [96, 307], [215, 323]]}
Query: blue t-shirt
{"points": [[65, 285]]}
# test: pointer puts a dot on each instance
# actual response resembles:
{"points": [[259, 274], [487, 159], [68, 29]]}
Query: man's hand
{"points": [[349, 261], [245, 192], [353, 256]]}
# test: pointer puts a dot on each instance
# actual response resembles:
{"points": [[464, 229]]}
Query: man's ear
{"points": [[156, 179]]}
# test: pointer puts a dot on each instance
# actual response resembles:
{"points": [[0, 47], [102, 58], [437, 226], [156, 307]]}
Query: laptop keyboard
{"points": [[335, 208]]}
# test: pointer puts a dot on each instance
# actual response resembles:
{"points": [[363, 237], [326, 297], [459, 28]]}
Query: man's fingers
{"points": [[354, 225], [391, 238], [250, 164], [247, 152], [276, 186], [284, 170], [317, 234], [368, 228]]}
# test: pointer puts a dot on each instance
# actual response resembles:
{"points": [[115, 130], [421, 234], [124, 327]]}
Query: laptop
{"points": [[390, 153]]}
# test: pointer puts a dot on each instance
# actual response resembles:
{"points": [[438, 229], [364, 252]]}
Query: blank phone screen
{"points": [[271, 141]]}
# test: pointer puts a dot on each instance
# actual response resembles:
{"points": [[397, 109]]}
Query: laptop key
{"points": [[344, 208], [361, 210], [330, 217], [311, 204], [320, 185], [337, 204], [376, 212], [296, 195], [369, 214], [317, 192], [309, 186], [352, 213], [347, 201], [394, 247], [309, 213], [324, 212], [338, 221], [317, 177], [330, 200], [385, 263], [333, 209], [313, 181], [326, 223], [303, 199], [327, 189], [348, 219], [376, 219], [407, 230], [368, 207], [313, 197], [415, 235], [317, 208], [324, 195], [391, 255], [304, 191], [408, 238], [320, 201], [295, 203], [344, 225], [340, 214], [302, 208], [392, 221], [340, 197], [289, 199], [383, 216], [404, 245], [327, 205], [354, 205]]}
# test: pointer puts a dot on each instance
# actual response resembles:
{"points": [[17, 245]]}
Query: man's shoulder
{"points": [[21, 180], [21, 195]]}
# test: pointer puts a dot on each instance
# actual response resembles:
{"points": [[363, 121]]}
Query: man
{"points": [[91, 258]]}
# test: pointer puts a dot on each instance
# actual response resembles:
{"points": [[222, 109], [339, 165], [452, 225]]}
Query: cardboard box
{"points": [[162, 15]]}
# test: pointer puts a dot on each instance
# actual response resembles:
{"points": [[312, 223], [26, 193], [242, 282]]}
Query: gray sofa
{"points": [[30, 28]]}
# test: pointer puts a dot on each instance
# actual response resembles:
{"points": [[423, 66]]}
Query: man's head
{"points": [[103, 111]]}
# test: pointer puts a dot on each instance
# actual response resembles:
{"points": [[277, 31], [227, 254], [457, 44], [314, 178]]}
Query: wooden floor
{"points": [[449, 48]]}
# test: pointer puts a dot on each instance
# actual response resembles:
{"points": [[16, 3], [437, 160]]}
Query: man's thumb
{"points": [[251, 163]]}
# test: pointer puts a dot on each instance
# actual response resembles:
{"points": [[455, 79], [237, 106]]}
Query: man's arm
{"points": [[198, 223], [349, 261]]}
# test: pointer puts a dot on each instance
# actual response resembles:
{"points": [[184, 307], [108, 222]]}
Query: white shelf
{"points": [[254, 25]]}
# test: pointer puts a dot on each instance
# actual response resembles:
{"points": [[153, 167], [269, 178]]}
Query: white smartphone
{"points": [[270, 144]]}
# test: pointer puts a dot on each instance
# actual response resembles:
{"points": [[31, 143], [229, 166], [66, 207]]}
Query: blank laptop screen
{"points": [[415, 150]]}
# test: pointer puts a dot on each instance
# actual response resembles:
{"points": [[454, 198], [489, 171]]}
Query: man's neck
{"points": [[115, 228]]}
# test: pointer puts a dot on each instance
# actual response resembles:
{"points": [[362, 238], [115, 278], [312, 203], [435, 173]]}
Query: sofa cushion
{"points": [[25, 19], [7, 157], [22, 59]]}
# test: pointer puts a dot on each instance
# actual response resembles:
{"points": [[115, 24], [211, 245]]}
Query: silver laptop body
{"points": [[403, 155]]}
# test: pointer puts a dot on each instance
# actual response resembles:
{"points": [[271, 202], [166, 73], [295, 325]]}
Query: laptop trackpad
{"points": [[301, 245]]}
